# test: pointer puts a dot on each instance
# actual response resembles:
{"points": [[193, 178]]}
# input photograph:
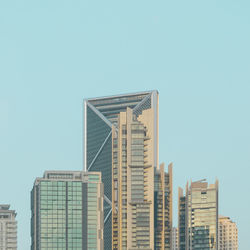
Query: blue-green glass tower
{"points": [[67, 211]]}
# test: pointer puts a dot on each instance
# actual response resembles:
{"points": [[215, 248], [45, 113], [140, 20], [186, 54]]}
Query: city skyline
{"points": [[145, 93], [146, 99], [195, 53]]}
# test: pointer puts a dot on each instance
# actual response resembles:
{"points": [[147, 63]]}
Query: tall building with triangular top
{"points": [[121, 141]]}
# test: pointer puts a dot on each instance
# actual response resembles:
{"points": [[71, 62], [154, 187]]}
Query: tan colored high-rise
{"points": [[101, 117], [121, 141], [141, 218], [133, 177], [198, 216], [8, 228], [228, 234]]}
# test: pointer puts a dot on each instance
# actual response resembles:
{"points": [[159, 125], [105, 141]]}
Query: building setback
{"points": [[132, 175], [228, 234], [67, 211], [121, 141], [8, 228], [198, 215], [100, 115]]}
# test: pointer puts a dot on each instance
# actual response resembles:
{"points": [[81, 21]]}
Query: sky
{"points": [[196, 53]]}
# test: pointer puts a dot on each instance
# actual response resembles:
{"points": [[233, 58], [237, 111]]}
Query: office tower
{"points": [[104, 122], [228, 234], [163, 208], [175, 239], [8, 228], [198, 214], [67, 211]]}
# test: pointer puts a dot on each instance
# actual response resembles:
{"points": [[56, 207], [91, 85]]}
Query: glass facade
{"points": [[99, 158], [60, 215], [58, 212], [111, 107]]}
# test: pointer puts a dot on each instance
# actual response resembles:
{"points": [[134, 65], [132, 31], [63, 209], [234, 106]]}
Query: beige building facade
{"points": [[8, 228], [121, 141], [198, 216], [101, 118], [142, 193], [133, 179], [228, 234]]}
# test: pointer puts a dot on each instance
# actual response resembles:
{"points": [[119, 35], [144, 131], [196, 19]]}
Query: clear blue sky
{"points": [[196, 53]]}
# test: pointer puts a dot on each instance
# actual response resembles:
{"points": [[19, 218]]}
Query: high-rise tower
{"points": [[198, 216], [67, 211], [133, 179], [104, 120]]}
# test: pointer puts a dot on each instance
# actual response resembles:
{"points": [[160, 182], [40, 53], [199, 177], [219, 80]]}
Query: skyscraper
{"points": [[67, 211], [198, 214], [132, 175], [121, 141], [101, 122], [228, 234], [8, 228]]}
